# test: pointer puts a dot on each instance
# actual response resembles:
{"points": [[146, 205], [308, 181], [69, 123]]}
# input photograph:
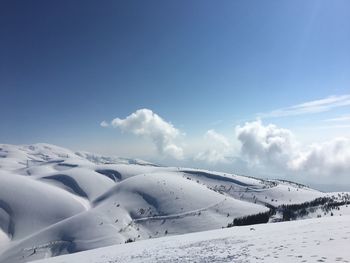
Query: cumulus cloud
{"points": [[309, 107], [146, 123], [328, 158], [218, 147], [265, 144], [271, 146]]}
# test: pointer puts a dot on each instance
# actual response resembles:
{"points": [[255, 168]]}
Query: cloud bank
{"points": [[328, 158], [271, 146], [267, 147], [146, 123]]}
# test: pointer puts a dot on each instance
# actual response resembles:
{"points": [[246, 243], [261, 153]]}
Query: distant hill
{"points": [[54, 201]]}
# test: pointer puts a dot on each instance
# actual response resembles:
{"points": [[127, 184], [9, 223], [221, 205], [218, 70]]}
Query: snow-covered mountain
{"points": [[54, 201]]}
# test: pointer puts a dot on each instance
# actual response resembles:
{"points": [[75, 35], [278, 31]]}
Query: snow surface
{"points": [[312, 240], [54, 201]]}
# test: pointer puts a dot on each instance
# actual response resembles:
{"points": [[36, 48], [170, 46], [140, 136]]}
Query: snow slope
{"points": [[311, 240], [54, 201]]}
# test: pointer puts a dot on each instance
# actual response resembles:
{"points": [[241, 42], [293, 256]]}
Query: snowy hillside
{"points": [[313, 240], [54, 201]]}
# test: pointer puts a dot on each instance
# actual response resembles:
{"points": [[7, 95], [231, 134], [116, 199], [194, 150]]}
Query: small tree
{"points": [[129, 240]]}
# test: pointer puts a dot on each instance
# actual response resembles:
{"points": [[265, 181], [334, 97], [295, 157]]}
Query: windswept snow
{"points": [[54, 201]]}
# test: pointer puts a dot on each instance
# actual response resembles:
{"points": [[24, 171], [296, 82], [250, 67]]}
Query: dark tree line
{"points": [[259, 218], [290, 212]]}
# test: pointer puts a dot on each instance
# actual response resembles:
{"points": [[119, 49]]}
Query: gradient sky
{"points": [[67, 65]]}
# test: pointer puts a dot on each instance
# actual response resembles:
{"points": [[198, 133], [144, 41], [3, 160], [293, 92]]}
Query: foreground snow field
{"points": [[54, 201], [311, 240]]}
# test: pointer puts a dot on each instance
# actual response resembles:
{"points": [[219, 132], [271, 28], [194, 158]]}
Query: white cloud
{"points": [[339, 119], [266, 147], [338, 126], [148, 124], [218, 147], [328, 158], [274, 147], [217, 138], [265, 144], [104, 124], [309, 107]]}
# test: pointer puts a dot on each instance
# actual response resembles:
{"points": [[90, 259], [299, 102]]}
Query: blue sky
{"points": [[202, 65]]}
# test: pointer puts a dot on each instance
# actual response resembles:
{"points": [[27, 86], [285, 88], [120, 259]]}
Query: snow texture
{"points": [[313, 240]]}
